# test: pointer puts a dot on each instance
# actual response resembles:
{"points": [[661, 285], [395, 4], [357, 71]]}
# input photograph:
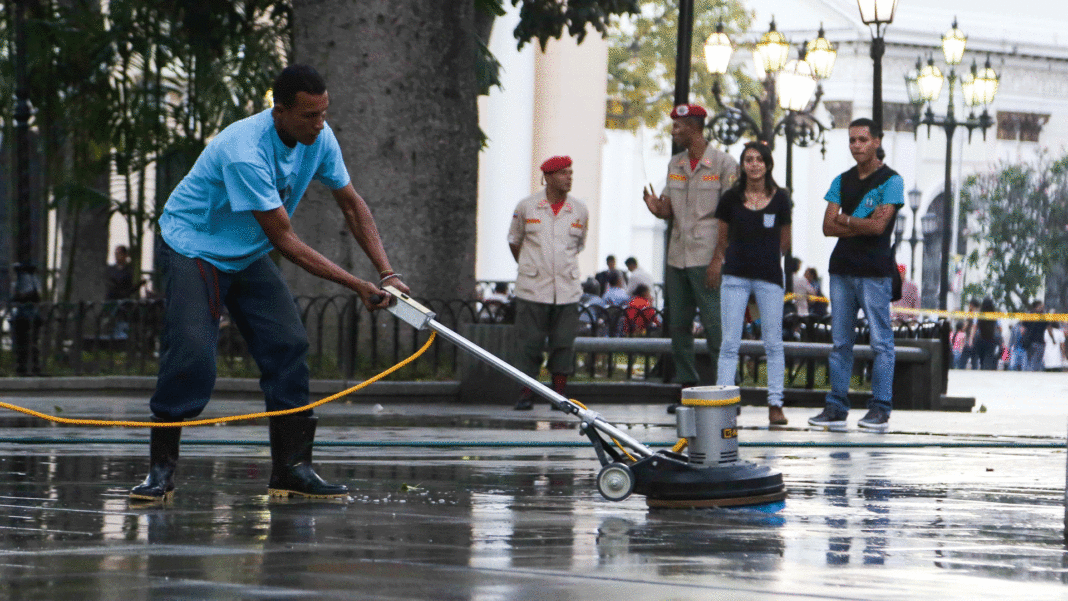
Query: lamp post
{"points": [[914, 203], [27, 289], [899, 230], [877, 14], [978, 88], [791, 85]]}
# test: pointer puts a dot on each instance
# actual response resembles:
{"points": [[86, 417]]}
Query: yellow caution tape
{"points": [[986, 315], [1055, 317], [812, 298]]}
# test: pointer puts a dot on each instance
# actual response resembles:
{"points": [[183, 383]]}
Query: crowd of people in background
{"points": [[1015, 345]]}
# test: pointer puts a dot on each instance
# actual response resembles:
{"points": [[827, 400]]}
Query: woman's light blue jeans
{"points": [[733, 297]]}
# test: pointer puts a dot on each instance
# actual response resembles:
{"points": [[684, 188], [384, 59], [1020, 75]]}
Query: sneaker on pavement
{"points": [[525, 403], [876, 420], [828, 418]]}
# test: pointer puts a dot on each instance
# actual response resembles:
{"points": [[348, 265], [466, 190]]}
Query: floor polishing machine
{"points": [[707, 474]]}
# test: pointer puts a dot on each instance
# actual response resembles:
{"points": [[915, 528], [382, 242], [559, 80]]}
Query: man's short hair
{"points": [[613, 279], [611, 258], [590, 286], [294, 79], [1036, 304], [873, 127], [631, 261]]}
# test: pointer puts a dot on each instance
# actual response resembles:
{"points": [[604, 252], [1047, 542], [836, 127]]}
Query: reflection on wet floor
{"points": [[524, 523]]}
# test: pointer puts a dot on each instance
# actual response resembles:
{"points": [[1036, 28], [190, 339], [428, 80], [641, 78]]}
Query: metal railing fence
{"points": [[349, 342]]}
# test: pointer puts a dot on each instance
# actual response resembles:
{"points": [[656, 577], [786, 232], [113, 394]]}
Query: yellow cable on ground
{"points": [[219, 420]]}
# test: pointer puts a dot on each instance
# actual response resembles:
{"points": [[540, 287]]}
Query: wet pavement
{"points": [[945, 505]]}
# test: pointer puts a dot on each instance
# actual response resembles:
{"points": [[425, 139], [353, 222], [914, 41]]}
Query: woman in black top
{"points": [[754, 230]]}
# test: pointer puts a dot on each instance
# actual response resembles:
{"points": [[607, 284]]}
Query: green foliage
{"points": [[124, 89], [545, 19], [1021, 211], [641, 61]]}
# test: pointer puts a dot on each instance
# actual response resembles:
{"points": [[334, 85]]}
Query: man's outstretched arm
{"points": [[279, 230]]}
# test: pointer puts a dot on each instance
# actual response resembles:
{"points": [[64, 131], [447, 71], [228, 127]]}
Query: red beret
{"points": [[688, 110], [553, 164]]}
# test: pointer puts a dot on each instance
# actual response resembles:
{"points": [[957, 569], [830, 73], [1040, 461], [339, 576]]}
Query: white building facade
{"points": [[531, 117]]}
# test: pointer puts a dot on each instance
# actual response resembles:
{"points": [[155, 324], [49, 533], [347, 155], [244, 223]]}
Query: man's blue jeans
{"points": [[733, 297], [260, 305], [848, 294]]}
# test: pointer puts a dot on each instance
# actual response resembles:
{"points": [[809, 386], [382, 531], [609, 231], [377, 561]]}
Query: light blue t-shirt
{"points": [[243, 169]]}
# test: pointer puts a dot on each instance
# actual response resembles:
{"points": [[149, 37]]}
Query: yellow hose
{"points": [[220, 420]]}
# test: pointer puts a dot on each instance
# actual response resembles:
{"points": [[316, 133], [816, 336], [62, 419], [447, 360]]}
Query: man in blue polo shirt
{"points": [[218, 225], [862, 204]]}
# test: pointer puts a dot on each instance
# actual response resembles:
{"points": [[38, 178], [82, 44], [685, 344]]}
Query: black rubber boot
{"points": [[291, 451], [163, 458]]}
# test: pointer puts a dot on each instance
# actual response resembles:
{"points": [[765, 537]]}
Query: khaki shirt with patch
{"points": [[694, 198], [548, 249]]}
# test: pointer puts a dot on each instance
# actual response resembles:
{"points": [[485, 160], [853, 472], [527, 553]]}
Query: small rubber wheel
{"points": [[615, 482]]}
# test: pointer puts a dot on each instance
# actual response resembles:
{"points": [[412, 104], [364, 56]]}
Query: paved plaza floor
{"points": [[944, 506]]}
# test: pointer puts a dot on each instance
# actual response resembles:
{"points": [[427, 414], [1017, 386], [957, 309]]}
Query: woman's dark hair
{"points": [[769, 162], [294, 79]]}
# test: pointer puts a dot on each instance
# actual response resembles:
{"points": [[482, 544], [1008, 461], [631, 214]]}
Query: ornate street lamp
{"points": [[772, 50], [915, 197], [877, 14], [25, 321], [820, 53], [930, 82], [978, 88], [793, 86], [899, 230], [718, 51]]}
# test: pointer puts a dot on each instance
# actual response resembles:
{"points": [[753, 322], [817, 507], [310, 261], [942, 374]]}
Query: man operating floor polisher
{"points": [[709, 475]]}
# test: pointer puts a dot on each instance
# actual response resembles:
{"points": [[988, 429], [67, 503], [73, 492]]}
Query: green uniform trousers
{"points": [[536, 323], [686, 294]]}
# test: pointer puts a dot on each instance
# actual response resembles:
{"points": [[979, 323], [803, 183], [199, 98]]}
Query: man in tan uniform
{"points": [[547, 233], [696, 179]]}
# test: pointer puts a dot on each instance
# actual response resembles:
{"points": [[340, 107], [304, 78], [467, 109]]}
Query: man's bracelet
{"points": [[391, 275], [385, 272]]}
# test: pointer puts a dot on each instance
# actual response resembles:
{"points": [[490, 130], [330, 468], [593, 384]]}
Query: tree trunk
{"points": [[402, 88], [85, 243]]}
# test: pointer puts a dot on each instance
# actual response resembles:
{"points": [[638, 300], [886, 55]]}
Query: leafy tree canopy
{"points": [[641, 60], [1021, 211]]}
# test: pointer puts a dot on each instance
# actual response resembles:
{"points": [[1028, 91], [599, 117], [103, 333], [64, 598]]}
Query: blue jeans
{"points": [[260, 305], [848, 294], [734, 296]]}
